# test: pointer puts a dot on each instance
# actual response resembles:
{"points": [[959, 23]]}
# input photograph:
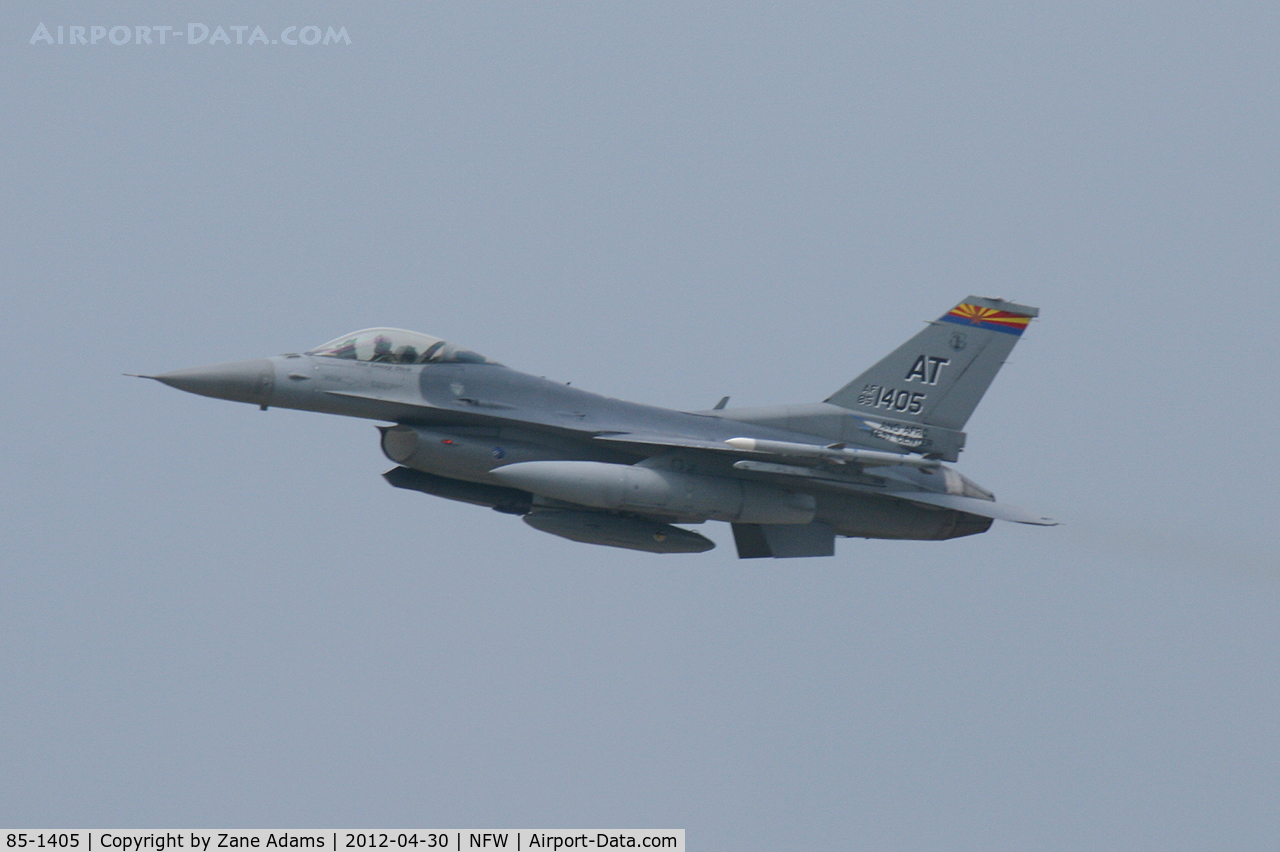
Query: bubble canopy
{"points": [[396, 346]]}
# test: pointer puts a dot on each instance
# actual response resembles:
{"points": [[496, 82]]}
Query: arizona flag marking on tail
{"points": [[967, 314], [937, 377]]}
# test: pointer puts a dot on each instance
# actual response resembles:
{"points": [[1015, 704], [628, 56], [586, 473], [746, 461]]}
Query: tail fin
{"points": [[938, 376]]}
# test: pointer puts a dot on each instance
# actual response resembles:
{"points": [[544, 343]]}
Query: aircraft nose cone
{"points": [[239, 381]]}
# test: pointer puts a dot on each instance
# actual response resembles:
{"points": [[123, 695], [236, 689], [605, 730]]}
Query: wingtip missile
{"points": [[833, 452]]}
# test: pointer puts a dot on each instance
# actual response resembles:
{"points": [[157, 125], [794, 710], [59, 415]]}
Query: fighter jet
{"points": [[867, 462]]}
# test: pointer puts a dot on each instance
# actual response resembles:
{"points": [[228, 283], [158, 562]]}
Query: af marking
{"points": [[877, 396]]}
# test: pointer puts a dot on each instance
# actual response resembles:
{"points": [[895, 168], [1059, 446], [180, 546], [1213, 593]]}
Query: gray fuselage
{"points": [[513, 416]]}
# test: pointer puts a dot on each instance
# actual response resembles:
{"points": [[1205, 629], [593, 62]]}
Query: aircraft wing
{"points": [[789, 453]]}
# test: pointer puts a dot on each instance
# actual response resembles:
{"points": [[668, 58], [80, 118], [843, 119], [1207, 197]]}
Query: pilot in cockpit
{"points": [[396, 346]]}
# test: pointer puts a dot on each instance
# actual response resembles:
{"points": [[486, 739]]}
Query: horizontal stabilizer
{"points": [[974, 506]]}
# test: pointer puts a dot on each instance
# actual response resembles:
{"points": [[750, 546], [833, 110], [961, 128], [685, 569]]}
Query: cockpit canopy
{"points": [[396, 346]]}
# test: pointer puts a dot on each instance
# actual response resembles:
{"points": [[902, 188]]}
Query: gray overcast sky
{"points": [[213, 616]]}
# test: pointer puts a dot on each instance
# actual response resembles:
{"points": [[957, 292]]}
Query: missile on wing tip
{"points": [[868, 458]]}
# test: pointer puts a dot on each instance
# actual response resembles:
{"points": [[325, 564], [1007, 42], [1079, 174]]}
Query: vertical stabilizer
{"points": [[938, 376]]}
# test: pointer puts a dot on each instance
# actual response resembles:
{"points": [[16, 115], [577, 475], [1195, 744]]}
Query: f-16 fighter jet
{"points": [[866, 462]]}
